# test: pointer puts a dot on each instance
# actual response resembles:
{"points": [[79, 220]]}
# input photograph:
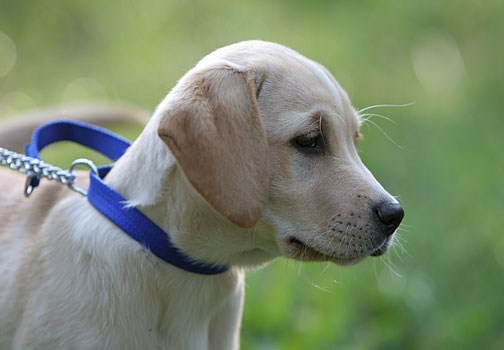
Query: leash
{"points": [[37, 169], [104, 199]]}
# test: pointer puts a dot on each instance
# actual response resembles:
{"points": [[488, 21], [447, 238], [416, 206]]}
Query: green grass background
{"points": [[445, 289]]}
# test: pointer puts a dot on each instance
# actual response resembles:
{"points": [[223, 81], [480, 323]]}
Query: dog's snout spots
{"points": [[360, 230], [352, 227], [355, 234]]}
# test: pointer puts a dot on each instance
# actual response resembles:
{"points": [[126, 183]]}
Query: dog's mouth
{"points": [[301, 251], [382, 248], [305, 252]]}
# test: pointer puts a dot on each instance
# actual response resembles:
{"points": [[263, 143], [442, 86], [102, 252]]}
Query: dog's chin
{"points": [[296, 249], [252, 258], [299, 250]]}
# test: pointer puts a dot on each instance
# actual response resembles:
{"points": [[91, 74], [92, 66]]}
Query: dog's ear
{"points": [[216, 135]]}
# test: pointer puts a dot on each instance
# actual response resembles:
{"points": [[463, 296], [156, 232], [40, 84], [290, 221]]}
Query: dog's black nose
{"points": [[390, 214]]}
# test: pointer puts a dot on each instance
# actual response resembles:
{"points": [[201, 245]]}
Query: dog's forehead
{"points": [[293, 81], [335, 101], [323, 76]]}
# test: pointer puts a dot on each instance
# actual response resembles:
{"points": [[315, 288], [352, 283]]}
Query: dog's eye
{"points": [[310, 143]]}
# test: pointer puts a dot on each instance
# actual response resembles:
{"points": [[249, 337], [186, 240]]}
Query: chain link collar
{"points": [[35, 168]]}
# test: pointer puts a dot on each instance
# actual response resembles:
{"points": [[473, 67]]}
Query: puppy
{"points": [[251, 156]]}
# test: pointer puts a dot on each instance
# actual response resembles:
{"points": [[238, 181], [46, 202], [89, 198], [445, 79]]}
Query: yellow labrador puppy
{"points": [[251, 156]]}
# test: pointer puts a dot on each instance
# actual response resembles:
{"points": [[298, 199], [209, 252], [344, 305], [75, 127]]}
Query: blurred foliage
{"points": [[444, 288]]}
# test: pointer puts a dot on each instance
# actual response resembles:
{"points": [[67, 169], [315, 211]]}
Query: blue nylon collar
{"points": [[110, 203]]}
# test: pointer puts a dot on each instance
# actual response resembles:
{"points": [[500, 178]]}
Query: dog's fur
{"points": [[216, 167]]}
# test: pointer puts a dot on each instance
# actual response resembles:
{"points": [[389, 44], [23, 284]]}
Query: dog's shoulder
{"points": [[11, 193], [17, 210]]}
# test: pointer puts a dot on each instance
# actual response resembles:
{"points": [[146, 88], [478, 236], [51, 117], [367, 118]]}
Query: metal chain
{"points": [[36, 168]]}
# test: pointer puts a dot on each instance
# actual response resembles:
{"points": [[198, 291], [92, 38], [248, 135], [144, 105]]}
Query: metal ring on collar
{"points": [[81, 162]]}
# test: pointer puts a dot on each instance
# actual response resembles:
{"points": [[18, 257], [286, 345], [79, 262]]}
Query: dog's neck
{"points": [[148, 176]]}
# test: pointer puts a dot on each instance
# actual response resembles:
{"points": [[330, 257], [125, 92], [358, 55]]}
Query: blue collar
{"points": [[110, 203]]}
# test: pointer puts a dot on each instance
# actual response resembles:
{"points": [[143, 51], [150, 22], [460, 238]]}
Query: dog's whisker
{"points": [[403, 229], [368, 116], [386, 106], [390, 265], [405, 225], [401, 248], [384, 133], [317, 286], [299, 267], [325, 268]]}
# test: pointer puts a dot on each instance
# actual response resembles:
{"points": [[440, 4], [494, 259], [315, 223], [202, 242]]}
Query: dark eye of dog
{"points": [[309, 143]]}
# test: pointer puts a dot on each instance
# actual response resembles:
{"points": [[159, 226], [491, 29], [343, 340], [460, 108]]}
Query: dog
{"points": [[251, 156]]}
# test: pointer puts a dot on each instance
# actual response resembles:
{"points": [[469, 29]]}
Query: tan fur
{"points": [[216, 134], [217, 167]]}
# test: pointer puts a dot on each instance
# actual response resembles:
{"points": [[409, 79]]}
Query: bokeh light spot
{"points": [[438, 63], [499, 252], [7, 54], [84, 89], [16, 101], [419, 293]]}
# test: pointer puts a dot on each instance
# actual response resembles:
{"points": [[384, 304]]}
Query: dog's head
{"points": [[268, 139]]}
